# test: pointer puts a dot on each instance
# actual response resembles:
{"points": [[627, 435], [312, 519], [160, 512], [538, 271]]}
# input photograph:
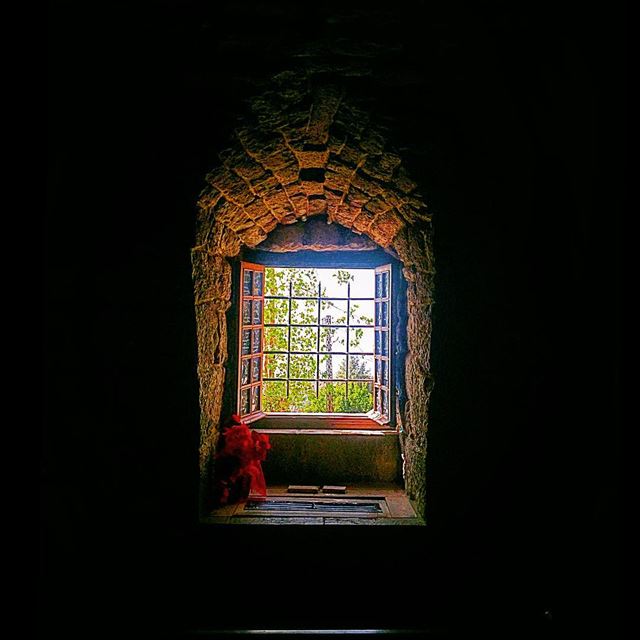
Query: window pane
{"points": [[332, 366], [246, 342], [255, 398], [246, 312], [276, 311], [277, 281], [302, 396], [361, 341], [304, 338], [331, 397], [362, 312], [275, 339], [333, 312], [244, 377], [275, 396], [333, 339], [247, 287], [244, 401], [275, 365], [257, 312], [362, 283], [334, 282], [304, 282], [360, 367], [304, 312], [255, 369], [302, 366], [257, 283], [256, 341], [382, 314], [384, 402], [359, 398], [378, 285], [378, 342], [384, 346], [382, 372]]}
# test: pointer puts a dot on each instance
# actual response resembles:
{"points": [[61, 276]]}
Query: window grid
{"points": [[318, 326]]}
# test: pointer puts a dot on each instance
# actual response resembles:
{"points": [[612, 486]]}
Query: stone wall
{"points": [[305, 150]]}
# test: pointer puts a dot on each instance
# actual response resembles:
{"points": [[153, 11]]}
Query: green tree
{"points": [[302, 397]]}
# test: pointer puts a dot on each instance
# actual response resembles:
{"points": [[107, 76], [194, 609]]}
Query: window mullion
{"points": [[289, 338]]}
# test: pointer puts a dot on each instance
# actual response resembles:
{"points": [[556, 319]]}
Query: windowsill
{"points": [[398, 511], [336, 423]]}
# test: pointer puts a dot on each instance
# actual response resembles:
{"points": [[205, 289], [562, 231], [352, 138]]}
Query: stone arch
{"points": [[305, 150]]}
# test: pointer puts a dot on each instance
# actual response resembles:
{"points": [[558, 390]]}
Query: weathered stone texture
{"points": [[303, 151]]}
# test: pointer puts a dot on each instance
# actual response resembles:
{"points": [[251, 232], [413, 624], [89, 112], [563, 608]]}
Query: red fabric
{"points": [[238, 463]]}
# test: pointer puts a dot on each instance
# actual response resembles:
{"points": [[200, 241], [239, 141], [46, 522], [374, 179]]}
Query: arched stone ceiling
{"points": [[306, 150]]}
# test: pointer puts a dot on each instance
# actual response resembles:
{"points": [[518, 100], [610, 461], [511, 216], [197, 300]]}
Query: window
{"points": [[314, 340]]}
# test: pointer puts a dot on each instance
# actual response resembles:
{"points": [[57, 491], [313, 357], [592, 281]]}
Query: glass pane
{"points": [[302, 396], [382, 314], [304, 312], [362, 283], [257, 283], [244, 402], [382, 372], [246, 312], [302, 366], [244, 377], [378, 285], [246, 342], [384, 343], [275, 339], [257, 312], [359, 398], [275, 365], [361, 367], [247, 287], [255, 398], [304, 282], [378, 342], [332, 366], [333, 312], [274, 396], [255, 369], [256, 341], [376, 399], [361, 341], [277, 281], [334, 282], [385, 284], [333, 339], [331, 397], [304, 338], [383, 402], [362, 312], [276, 311]]}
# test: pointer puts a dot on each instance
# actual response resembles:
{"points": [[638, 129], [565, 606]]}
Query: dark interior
{"points": [[513, 116]]}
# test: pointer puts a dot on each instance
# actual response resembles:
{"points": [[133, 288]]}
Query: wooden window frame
{"points": [[251, 415], [371, 420]]}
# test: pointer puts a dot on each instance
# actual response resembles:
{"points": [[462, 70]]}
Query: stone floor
{"points": [[395, 507]]}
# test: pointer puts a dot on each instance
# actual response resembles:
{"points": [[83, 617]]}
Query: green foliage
{"points": [[332, 396]]}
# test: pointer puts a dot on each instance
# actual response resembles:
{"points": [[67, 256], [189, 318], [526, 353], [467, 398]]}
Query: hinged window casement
{"points": [[382, 344], [250, 348]]}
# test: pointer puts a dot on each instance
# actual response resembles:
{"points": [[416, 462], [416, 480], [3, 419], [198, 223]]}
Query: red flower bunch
{"points": [[238, 469]]}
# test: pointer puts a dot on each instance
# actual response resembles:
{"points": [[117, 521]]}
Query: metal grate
{"points": [[313, 506]]}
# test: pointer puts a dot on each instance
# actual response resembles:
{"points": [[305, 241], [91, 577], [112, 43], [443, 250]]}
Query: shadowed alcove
{"points": [[305, 152]]}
